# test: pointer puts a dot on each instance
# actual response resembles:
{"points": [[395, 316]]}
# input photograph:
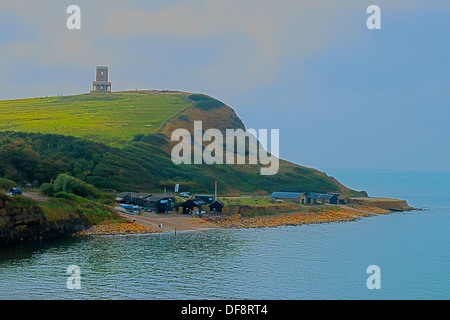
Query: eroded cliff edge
{"points": [[25, 221]]}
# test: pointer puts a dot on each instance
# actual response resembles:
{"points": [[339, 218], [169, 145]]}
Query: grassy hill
{"points": [[121, 141], [113, 119]]}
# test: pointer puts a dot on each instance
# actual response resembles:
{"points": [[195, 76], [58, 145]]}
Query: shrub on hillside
{"points": [[65, 184], [69, 184], [47, 189], [62, 194]]}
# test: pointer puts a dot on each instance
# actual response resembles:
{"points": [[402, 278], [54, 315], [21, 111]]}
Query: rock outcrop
{"points": [[27, 223]]}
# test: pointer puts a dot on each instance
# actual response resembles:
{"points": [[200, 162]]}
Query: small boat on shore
{"points": [[126, 206], [131, 209]]}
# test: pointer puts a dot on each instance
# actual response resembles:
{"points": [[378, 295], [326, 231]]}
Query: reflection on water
{"points": [[151, 266]]}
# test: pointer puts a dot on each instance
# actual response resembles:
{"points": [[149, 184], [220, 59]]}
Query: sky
{"points": [[341, 95]]}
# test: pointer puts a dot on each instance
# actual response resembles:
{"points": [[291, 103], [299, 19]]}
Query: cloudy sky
{"points": [[342, 96]]}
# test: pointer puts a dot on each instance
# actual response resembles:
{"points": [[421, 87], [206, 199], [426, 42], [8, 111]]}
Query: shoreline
{"points": [[149, 223], [172, 223]]}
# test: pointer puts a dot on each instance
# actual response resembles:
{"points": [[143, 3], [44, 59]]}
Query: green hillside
{"points": [[113, 119], [121, 141]]}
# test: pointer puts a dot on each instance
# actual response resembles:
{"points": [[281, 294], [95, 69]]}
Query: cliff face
{"points": [[25, 223]]}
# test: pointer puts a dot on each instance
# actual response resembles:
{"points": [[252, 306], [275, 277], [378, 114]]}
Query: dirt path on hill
{"points": [[34, 195]]}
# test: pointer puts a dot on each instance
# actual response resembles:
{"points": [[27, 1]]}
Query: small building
{"points": [[286, 195], [121, 195], [331, 198], [192, 205], [311, 198], [308, 198], [101, 83], [132, 197], [207, 198], [324, 198], [216, 206], [158, 204], [341, 199], [139, 198], [304, 197]]}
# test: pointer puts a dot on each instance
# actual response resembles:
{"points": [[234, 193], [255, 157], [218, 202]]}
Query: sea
{"points": [[333, 261]]}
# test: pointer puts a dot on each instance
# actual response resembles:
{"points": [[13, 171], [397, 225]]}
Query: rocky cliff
{"points": [[25, 222]]}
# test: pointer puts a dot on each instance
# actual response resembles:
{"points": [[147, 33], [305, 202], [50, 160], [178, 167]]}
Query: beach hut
{"points": [[331, 198], [216, 206], [121, 197], [192, 205], [341, 199], [159, 204]]}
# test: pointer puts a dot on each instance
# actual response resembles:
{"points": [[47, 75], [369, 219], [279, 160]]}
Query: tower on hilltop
{"points": [[101, 84]]}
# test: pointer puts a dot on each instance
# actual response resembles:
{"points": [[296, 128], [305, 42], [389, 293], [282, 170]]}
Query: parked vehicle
{"points": [[15, 191]]}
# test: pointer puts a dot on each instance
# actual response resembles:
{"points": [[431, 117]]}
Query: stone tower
{"points": [[101, 84]]}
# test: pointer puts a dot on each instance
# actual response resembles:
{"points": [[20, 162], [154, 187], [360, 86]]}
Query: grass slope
{"points": [[112, 119]]}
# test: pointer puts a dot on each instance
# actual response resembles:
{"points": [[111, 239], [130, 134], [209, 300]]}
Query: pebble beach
{"points": [[172, 223], [123, 228], [296, 218]]}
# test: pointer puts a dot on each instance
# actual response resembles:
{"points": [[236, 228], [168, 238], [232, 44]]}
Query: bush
{"points": [[63, 195], [47, 189], [77, 186], [69, 184]]}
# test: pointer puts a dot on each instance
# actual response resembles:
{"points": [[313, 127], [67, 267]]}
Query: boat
{"points": [[131, 209], [126, 206]]}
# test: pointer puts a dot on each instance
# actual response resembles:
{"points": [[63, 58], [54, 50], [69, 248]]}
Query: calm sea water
{"points": [[327, 261]]}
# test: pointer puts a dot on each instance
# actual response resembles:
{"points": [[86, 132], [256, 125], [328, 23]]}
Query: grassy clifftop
{"points": [[121, 141], [112, 119]]}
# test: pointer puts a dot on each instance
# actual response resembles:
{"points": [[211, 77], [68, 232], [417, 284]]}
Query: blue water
{"points": [[327, 261]]}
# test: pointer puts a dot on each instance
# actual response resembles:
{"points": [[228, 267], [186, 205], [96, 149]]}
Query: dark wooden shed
{"points": [[192, 204], [159, 204], [216, 206]]}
